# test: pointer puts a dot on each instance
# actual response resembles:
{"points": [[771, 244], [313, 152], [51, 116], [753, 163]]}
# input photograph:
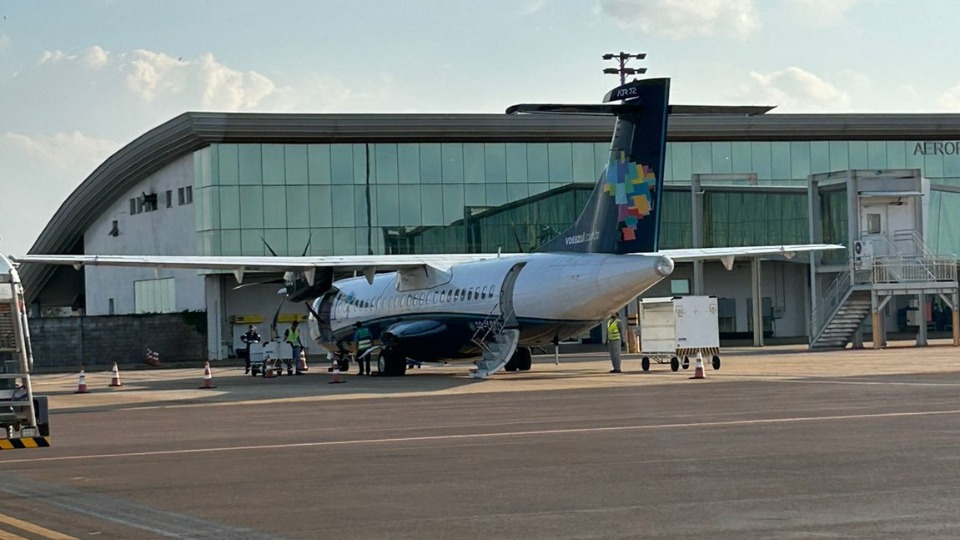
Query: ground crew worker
{"points": [[292, 336], [614, 331], [251, 337], [363, 340]]}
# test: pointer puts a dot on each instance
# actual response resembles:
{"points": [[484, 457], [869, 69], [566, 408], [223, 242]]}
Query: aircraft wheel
{"points": [[512, 364], [524, 358], [392, 363], [686, 363], [645, 363], [674, 364], [716, 362]]}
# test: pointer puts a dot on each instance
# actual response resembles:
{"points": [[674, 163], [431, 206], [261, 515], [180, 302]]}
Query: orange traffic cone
{"points": [[115, 380], [303, 362], [269, 368], [207, 377], [698, 370], [335, 374], [82, 383]]}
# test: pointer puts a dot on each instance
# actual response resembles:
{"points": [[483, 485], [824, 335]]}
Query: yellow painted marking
{"points": [[4, 535], [35, 529]]}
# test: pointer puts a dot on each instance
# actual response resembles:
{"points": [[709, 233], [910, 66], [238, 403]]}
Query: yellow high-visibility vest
{"points": [[613, 330]]}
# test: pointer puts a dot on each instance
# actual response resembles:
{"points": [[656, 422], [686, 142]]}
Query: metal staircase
{"points": [[845, 320], [498, 335]]}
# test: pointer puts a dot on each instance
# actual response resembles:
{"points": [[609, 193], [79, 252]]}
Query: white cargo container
{"points": [[676, 328]]}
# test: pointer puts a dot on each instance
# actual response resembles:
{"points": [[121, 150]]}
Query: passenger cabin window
{"points": [[483, 292]]}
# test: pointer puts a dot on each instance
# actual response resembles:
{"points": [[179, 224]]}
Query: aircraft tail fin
{"points": [[622, 213]]}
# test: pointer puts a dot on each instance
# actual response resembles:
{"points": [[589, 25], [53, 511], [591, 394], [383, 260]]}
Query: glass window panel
{"points": [[951, 166], [799, 160], [914, 157], [273, 166], [409, 197], [251, 242], [433, 207], [741, 158], [858, 154], [230, 243], [408, 163], [230, 200], [583, 162], [363, 210], [431, 163], [516, 192], [474, 195], [780, 160], [388, 206], [320, 206], [876, 154], [495, 162], [209, 208], [819, 157], [318, 163], [452, 203], [341, 163], [896, 155], [321, 241], [473, 163], [229, 160], [667, 166], [839, 156], [364, 237], [536, 188], [601, 151], [295, 164], [344, 241], [560, 163], [364, 166], [452, 159], [342, 197], [212, 243], [933, 165], [496, 194], [251, 168], [274, 207], [762, 158], [299, 240], [537, 163], [386, 163], [516, 162], [251, 207], [682, 160], [702, 157], [277, 239], [203, 156], [298, 207], [722, 157]]}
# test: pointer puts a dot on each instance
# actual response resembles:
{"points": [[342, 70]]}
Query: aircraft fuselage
{"points": [[555, 296]]}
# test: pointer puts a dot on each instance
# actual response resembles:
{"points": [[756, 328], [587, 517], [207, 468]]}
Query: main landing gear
{"points": [[521, 360], [391, 363]]}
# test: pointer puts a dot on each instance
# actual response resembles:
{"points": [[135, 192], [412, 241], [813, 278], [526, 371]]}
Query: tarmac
{"points": [[779, 442]]}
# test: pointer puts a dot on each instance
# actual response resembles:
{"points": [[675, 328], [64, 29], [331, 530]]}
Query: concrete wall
{"points": [[100, 341], [166, 231]]}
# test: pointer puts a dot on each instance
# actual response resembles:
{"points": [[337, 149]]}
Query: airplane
{"points": [[493, 308]]}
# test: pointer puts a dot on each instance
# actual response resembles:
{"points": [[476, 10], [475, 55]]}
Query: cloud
{"points": [[795, 90], [682, 18], [38, 173], [949, 100], [822, 12]]}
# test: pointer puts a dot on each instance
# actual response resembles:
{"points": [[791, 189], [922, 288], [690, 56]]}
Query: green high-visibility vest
{"points": [[364, 339]]}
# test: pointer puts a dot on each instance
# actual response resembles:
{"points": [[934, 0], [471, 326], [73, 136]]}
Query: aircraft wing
{"points": [[728, 254], [239, 265]]}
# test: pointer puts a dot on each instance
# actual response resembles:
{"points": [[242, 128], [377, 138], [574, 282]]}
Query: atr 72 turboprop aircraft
{"points": [[490, 306]]}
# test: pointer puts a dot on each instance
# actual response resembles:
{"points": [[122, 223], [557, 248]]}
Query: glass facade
{"points": [[345, 199]]}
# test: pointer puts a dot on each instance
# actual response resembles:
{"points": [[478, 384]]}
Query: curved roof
{"points": [[191, 131]]}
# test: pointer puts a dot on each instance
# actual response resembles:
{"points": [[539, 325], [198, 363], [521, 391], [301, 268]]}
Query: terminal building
{"points": [[887, 186]]}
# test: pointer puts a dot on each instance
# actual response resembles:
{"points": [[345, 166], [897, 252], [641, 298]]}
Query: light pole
{"points": [[623, 70]]}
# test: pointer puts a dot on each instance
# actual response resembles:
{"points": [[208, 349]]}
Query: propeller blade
{"points": [[272, 252], [276, 317], [516, 238], [307, 247], [252, 283]]}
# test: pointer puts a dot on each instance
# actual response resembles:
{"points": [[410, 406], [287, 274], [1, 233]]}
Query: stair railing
{"points": [[830, 301]]}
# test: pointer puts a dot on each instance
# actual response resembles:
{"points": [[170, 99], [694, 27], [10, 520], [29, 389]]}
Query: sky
{"points": [[80, 80]]}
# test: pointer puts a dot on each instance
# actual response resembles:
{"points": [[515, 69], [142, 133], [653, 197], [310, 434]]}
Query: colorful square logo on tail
{"points": [[633, 188]]}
